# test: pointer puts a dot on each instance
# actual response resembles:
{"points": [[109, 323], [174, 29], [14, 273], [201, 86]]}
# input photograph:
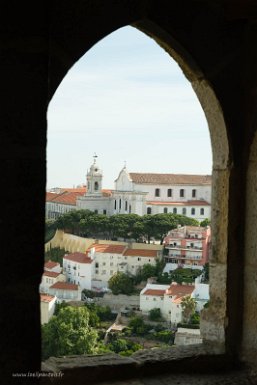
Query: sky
{"points": [[127, 101]]}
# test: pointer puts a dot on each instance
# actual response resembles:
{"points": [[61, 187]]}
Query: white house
{"points": [[137, 258], [48, 279], [168, 299], [112, 258], [47, 307], [108, 259], [78, 269], [52, 266], [152, 296], [65, 291]]}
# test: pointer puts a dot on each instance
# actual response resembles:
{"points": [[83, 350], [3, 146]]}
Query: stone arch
{"points": [[214, 330], [249, 343]]}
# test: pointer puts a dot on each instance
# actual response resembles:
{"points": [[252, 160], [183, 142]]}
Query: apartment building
{"points": [[187, 246]]}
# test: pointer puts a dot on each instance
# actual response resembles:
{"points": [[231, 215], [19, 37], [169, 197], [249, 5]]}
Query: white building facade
{"points": [[110, 259], [47, 307], [78, 269], [168, 299], [48, 279], [139, 193]]}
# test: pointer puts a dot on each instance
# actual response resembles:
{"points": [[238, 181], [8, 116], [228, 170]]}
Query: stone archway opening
{"points": [[213, 319]]}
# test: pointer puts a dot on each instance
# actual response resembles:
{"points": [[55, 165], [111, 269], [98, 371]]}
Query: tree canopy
{"points": [[128, 226], [68, 333], [188, 305], [121, 283]]}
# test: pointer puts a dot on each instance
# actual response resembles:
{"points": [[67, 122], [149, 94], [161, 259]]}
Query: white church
{"points": [[137, 193]]}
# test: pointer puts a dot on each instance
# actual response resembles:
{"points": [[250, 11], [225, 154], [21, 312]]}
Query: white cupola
{"points": [[94, 179]]}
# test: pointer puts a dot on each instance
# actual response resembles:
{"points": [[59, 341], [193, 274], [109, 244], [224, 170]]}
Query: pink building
{"points": [[188, 246]]}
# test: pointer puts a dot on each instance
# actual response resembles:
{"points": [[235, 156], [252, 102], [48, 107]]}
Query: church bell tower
{"points": [[94, 179]]}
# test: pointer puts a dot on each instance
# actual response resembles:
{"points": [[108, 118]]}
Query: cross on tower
{"points": [[95, 156]]}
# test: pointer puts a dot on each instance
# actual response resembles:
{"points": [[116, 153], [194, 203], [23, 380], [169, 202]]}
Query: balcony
{"points": [[178, 247]]}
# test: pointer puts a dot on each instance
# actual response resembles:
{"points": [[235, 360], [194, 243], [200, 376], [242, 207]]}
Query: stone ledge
{"points": [[110, 367]]}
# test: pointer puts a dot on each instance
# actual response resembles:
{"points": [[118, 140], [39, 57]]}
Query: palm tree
{"points": [[188, 305]]}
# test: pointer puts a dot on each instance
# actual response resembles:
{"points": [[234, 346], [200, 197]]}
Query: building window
{"points": [[96, 186], [104, 263], [103, 272], [97, 264], [175, 210], [96, 211], [129, 209], [184, 211], [149, 210], [139, 259], [181, 193], [96, 271], [126, 206], [157, 192], [194, 193], [120, 204], [193, 211], [111, 272], [165, 210], [115, 204], [201, 211], [111, 263], [169, 192]]}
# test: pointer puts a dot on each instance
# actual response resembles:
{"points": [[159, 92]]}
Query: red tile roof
{"points": [[46, 297], [108, 248], [74, 190], [141, 253], [69, 195], [170, 179], [180, 203], [51, 196], [154, 292], [68, 198], [106, 193], [180, 290], [78, 257], [52, 274], [51, 264], [64, 286]]}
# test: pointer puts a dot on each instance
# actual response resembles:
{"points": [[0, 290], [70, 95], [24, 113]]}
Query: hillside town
{"points": [[166, 275]]}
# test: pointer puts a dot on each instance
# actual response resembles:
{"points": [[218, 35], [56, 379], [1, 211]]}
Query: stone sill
{"points": [[110, 367]]}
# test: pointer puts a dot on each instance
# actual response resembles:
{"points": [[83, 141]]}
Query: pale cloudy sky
{"points": [[126, 100]]}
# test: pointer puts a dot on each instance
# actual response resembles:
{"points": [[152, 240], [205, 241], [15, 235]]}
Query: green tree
{"points": [[157, 226], [185, 275], [55, 254], [138, 325], [68, 333], [155, 314], [205, 273], [206, 222], [188, 305], [195, 318], [50, 229], [121, 283], [147, 271]]}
